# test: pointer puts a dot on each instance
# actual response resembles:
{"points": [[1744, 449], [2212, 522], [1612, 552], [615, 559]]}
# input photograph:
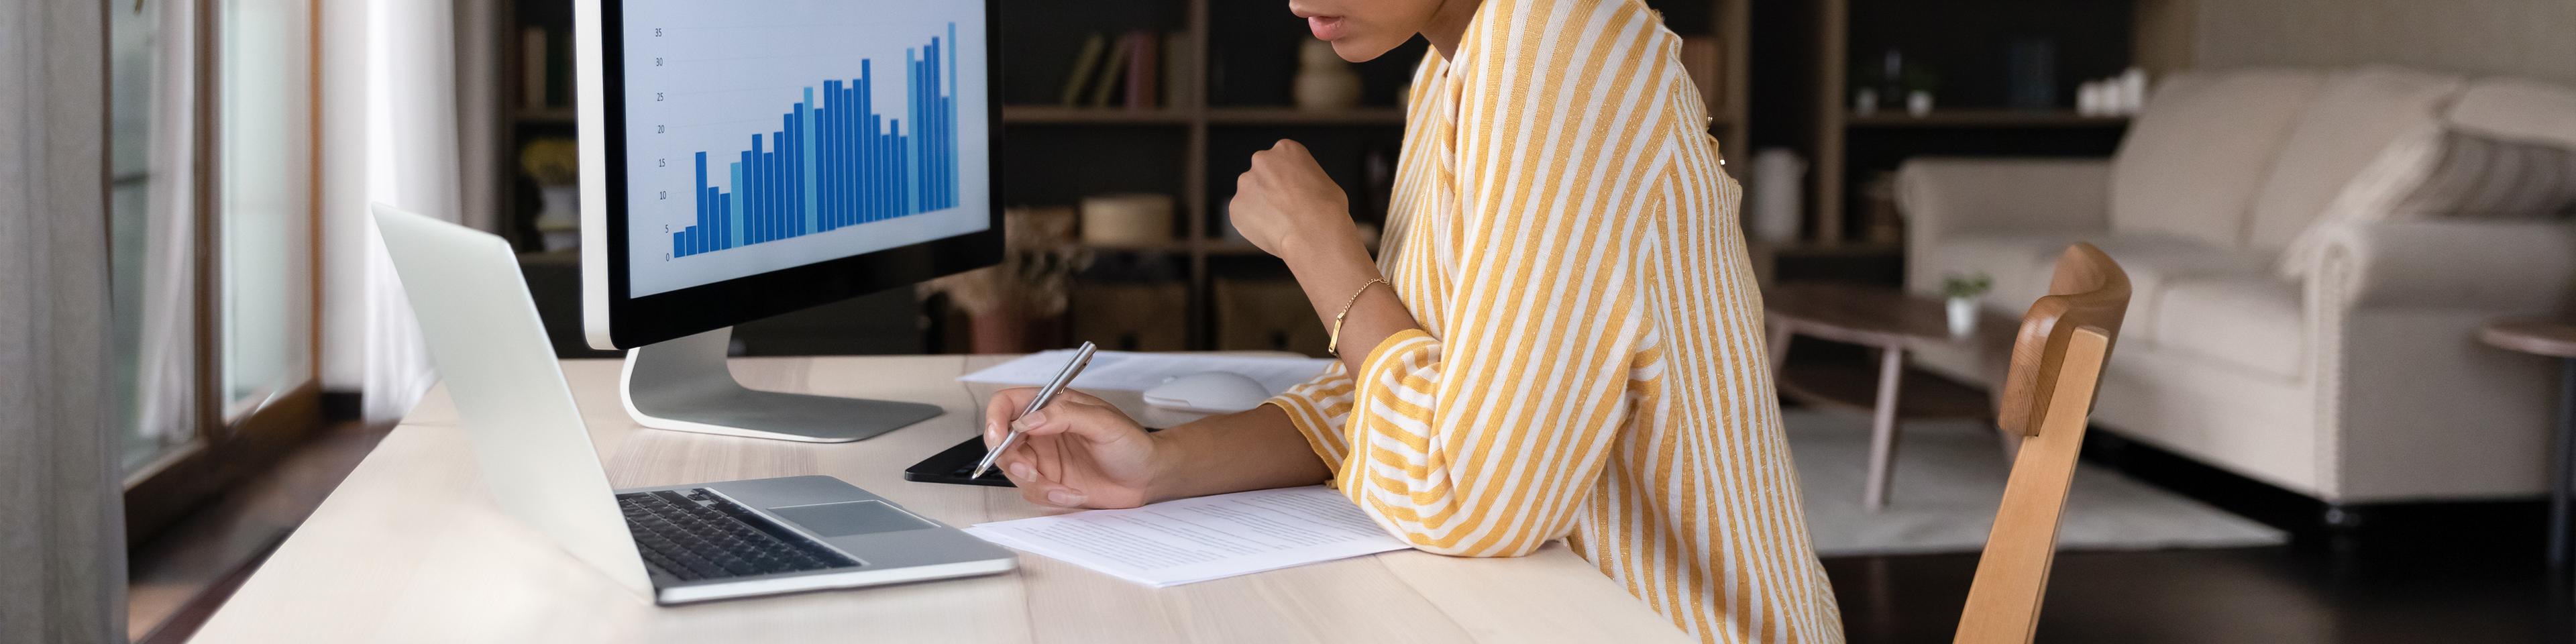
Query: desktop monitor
{"points": [[748, 158]]}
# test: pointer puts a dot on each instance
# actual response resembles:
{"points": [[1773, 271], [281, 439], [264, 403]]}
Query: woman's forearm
{"points": [[1331, 271], [1251, 450]]}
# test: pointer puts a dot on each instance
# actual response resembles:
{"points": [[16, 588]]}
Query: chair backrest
{"points": [[2056, 368]]}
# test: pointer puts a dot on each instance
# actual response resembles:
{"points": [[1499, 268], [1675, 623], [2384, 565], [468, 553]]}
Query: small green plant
{"points": [[552, 161], [1956, 286]]}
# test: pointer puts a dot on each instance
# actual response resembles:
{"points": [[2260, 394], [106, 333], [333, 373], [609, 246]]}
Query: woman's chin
{"points": [[1358, 50]]}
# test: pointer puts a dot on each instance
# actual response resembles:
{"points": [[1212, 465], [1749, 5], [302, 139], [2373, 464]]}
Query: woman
{"points": [[1561, 337]]}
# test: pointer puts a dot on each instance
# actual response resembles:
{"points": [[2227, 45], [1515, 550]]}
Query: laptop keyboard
{"points": [[717, 539]]}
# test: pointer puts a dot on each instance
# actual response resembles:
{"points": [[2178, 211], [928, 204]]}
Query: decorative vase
{"points": [[1325, 82], [1001, 332], [1779, 177], [559, 224], [1963, 315]]}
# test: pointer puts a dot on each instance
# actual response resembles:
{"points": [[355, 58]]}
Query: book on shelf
{"points": [[532, 68], [1177, 81], [1105, 87], [558, 68], [1083, 65], [545, 69], [1144, 67]]}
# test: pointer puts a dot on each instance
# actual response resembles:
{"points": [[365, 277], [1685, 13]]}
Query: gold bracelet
{"points": [[1333, 343]]}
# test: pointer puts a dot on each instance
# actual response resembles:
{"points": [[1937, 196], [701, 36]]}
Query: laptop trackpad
{"points": [[850, 517]]}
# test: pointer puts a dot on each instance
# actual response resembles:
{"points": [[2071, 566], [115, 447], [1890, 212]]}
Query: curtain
{"points": [[389, 136], [165, 382], [62, 531]]}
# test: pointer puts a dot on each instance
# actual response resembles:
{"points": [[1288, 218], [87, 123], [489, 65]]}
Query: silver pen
{"points": [[1081, 358]]}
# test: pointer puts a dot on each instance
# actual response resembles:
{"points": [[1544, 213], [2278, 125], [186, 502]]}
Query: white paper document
{"points": [[1131, 371], [1192, 540]]}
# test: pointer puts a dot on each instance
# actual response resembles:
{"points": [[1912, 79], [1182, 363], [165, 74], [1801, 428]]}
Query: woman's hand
{"points": [[1078, 452], [1287, 206]]}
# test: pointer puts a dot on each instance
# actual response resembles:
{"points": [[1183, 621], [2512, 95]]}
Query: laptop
{"points": [[678, 543]]}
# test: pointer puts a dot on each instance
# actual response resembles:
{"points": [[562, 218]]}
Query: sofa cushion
{"points": [[2192, 162], [2517, 109], [2255, 324], [2356, 115], [2021, 264]]}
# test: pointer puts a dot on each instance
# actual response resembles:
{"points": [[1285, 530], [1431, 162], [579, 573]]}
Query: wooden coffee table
{"points": [[1894, 323], [2556, 339]]}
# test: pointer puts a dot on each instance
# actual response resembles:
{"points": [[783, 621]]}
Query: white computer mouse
{"points": [[1213, 392]]}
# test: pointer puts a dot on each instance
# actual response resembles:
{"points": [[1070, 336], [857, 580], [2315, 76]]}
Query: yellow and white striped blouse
{"points": [[1593, 367]]}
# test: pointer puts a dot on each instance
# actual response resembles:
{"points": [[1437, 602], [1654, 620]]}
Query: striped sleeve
{"points": [[1484, 436], [1318, 408]]}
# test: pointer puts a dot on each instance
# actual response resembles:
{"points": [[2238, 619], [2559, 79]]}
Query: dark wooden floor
{"points": [[2290, 594], [2447, 572]]}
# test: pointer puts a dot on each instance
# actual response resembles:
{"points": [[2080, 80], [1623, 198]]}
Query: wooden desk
{"points": [[411, 548]]}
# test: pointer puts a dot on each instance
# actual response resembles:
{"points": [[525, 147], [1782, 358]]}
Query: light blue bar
{"points": [[736, 210]]}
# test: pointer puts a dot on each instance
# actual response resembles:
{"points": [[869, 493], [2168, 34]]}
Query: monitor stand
{"points": [[682, 384]]}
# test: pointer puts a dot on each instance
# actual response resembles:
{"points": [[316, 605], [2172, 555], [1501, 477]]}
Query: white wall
{"points": [[2526, 38]]}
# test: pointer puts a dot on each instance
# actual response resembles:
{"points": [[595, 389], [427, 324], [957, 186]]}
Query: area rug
{"points": [[1949, 478]]}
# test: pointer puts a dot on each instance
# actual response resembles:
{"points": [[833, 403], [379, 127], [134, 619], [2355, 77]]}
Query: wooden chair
{"points": [[2056, 366]]}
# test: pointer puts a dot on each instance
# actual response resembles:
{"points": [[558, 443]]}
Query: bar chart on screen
{"points": [[834, 161], [759, 135]]}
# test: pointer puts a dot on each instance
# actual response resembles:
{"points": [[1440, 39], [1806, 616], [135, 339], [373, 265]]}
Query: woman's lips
{"points": [[1325, 27]]}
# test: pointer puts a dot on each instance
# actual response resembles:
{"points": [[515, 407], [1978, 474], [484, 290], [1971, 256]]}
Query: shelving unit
{"points": [[1244, 57], [2094, 36]]}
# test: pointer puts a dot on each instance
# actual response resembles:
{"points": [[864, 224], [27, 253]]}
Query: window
{"points": [[211, 200]]}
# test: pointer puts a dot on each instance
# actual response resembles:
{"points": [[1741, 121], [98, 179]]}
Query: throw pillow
{"points": [[2491, 178], [2445, 173]]}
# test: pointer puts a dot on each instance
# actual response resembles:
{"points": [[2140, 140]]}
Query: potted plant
{"points": [[1963, 291], [1007, 302]]}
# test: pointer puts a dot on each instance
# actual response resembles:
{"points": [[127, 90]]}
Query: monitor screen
{"points": [[767, 134], [747, 158]]}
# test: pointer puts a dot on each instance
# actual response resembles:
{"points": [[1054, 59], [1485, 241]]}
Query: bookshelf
{"points": [[1239, 59]]}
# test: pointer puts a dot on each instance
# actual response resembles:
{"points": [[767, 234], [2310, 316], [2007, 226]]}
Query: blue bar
{"points": [[824, 163], [760, 194], [767, 186], [864, 175], [705, 214], [841, 153], [805, 195], [752, 195], [780, 182], [821, 174]]}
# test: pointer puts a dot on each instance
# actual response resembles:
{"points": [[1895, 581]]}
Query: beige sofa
{"points": [[2358, 381]]}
